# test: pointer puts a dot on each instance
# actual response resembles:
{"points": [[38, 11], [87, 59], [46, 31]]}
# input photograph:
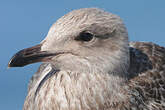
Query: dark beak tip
{"points": [[14, 61], [9, 64], [17, 60]]}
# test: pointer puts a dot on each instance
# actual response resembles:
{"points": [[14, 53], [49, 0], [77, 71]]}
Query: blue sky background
{"points": [[24, 23]]}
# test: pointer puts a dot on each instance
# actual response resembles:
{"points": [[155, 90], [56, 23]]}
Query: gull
{"points": [[89, 64]]}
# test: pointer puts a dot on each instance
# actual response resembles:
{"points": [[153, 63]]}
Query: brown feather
{"points": [[148, 80]]}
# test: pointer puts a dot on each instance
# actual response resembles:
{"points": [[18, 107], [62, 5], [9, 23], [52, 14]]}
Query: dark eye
{"points": [[84, 36]]}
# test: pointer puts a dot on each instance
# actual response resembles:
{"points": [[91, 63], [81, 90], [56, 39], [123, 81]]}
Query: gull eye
{"points": [[84, 36]]}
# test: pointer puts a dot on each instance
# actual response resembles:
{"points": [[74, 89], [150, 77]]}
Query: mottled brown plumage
{"points": [[148, 86], [92, 66]]}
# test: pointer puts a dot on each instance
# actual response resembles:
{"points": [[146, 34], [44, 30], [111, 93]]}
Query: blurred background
{"points": [[24, 23]]}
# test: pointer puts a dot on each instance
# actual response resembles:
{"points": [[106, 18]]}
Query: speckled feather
{"points": [[146, 84]]}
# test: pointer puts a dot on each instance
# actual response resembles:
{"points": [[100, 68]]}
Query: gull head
{"points": [[84, 40]]}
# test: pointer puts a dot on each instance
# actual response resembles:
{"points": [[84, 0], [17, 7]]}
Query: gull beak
{"points": [[29, 56]]}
